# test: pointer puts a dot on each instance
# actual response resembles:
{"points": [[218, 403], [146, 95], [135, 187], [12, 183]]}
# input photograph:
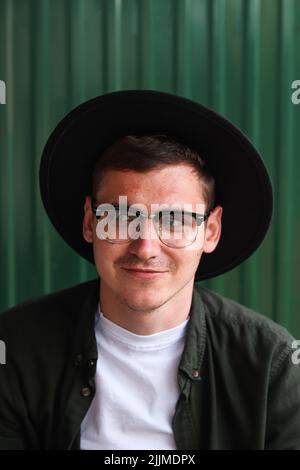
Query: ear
{"points": [[213, 230], [87, 224]]}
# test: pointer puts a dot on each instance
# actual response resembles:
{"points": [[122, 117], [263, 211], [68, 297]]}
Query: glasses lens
{"points": [[177, 228], [113, 225]]}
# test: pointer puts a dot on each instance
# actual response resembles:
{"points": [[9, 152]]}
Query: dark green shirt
{"points": [[239, 388]]}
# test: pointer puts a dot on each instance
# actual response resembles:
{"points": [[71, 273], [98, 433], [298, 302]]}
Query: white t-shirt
{"points": [[136, 388]]}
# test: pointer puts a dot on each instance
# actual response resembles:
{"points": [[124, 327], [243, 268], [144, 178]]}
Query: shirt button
{"points": [[195, 374], [85, 391], [91, 363], [78, 359]]}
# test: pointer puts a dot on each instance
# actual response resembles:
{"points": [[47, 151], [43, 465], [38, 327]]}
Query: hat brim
{"points": [[244, 188]]}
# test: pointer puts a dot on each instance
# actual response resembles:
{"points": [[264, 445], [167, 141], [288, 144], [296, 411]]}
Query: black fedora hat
{"points": [[243, 185]]}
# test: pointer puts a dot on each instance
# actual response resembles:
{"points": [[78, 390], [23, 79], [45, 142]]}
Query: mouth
{"points": [[145, 273]]}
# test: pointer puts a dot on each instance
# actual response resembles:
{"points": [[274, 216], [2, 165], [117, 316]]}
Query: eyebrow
{"points": [[169, 206]]}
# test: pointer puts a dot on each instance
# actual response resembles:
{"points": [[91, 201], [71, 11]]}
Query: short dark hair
{"points": [[145, 153]]}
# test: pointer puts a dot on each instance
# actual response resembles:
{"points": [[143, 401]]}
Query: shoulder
{"points": [[38, 314], [240, 331], [230, 314]]}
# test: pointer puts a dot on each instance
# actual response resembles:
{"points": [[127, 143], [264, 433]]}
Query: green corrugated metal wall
{"points": [[238, 57]]}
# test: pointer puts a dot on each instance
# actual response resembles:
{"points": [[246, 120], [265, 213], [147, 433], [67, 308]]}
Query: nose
{"points": [[148, 244]]}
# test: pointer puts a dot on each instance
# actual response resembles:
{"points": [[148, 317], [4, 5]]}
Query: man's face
{"points": [[171, 185]]}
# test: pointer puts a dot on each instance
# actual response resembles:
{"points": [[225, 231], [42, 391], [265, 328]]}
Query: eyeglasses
{"points": [[174, 227]]}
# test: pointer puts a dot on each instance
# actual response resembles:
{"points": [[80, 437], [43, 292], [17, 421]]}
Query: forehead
{"points": [[171, 184]]}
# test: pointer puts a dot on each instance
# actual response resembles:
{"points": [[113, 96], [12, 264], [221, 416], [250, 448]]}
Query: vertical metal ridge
{"points": [[210, 61], [219, 55], [77, 28], [82, 49], [83, 52], [183, 49], [104, 47], [45, 99], [40, 94], [78, 77], [285, 164], [146, 53], [114, 44], [219, 84], [10, 157], [276, 177], [250, 120]]}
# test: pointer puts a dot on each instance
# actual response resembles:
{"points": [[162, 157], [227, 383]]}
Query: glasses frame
{"points": [[199, 219]]}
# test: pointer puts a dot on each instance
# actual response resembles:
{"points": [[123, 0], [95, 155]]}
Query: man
{"points": [[158, 192]]}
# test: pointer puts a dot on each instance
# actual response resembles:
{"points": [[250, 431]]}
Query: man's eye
{"points": [[100, 214], [177, 219], [125, 218], [172, 218]]}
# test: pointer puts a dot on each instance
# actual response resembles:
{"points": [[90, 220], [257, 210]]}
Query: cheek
{"points": [[190, 261], [192, 256], [187, 261], [103, 251], [102, 255], [106, 256]]}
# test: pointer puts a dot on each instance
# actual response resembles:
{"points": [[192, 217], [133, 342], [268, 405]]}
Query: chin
{"points": [[143, 303]]}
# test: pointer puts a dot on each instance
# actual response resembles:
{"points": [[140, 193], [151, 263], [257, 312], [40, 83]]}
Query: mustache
{"points": [[134, 264]]}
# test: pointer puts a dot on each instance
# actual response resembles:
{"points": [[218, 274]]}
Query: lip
{"points": [[145, 274]]}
